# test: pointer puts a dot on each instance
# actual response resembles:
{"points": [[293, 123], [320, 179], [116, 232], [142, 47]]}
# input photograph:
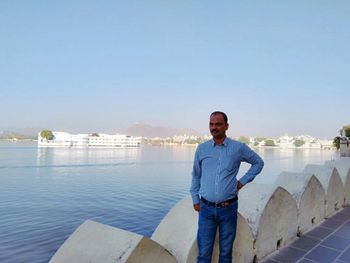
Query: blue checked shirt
{"points": [[215, 169]]}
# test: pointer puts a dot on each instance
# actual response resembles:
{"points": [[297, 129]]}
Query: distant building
{"points": [[309, 142], [300, 142], [327, 144], [286, 141], [64, 139], [344, 146]]}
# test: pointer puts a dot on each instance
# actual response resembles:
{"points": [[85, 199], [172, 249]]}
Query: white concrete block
{"points": [[310, 197], [272, 215], [93, 242], [332, 184], [343, 167], [243, 247], [177, 232]]}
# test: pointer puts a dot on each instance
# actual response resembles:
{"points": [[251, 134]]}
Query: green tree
{"points": [[336, 142], [346, 130], [243, 139], [260, 139], [269, 142], [47, 134], [299, 142], [95, 134]]}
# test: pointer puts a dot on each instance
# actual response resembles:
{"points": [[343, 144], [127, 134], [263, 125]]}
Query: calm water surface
{"points": [[45, 194]]}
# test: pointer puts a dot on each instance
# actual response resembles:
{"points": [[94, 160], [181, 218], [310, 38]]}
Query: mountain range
{"points": [[146, 130], [24, 133], [138, 129]]}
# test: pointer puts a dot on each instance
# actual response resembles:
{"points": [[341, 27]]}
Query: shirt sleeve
{"points": [[251, 157], [196, 178]]}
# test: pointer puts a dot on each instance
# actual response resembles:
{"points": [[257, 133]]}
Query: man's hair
{"points": [[222, 114]]}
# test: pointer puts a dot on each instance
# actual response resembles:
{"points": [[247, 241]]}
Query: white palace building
{"points": [[64, 139]]}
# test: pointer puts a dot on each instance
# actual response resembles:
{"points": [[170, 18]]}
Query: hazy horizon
{"points": [[273, 67], [187, 131]]}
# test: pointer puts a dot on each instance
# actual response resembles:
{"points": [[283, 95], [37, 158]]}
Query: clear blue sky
{"points": [[273, 66]]}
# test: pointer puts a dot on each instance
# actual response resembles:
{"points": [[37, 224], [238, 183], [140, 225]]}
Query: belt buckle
{"points": [[225, 204]]}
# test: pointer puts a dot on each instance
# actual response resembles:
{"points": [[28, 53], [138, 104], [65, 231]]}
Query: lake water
{"points": [[45, 194]]}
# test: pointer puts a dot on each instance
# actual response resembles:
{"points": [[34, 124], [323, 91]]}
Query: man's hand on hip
{"points": [[196, 207], [239, 185]]}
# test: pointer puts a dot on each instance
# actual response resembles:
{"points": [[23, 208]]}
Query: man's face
{"points": [[217, 126]]}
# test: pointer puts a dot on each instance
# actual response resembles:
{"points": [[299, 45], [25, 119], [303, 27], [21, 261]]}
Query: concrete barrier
{"points": [[93, 242], [343, 167], [269, 217], [272, 215], [177, 232], [243, 248], [332, 184], [309, 195]]}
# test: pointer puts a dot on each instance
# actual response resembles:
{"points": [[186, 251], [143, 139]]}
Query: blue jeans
{"points": [[209, 219]]}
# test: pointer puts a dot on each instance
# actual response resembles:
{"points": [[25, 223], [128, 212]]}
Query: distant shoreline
{"points": [[19, 140], [14, 141]]}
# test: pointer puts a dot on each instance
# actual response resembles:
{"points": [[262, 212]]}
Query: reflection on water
{"points": [[66, 156], [46, 193], [146, 154], [293, 160]]}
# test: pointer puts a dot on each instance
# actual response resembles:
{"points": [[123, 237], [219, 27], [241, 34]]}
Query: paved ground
{"points": [[327, 243]]}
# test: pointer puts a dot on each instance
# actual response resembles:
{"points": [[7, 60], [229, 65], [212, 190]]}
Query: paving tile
{"points": [[347, 223], [343, 231], [319, 232], [271, 261], [305, 243], [341, 217], [336, 242], [305, 260], [331, 223], [346, 209], [322, 254], [345, 256], [289, 255]]}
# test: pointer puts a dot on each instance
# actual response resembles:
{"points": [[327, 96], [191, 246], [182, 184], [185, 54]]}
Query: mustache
{"points": [[213, 130]]}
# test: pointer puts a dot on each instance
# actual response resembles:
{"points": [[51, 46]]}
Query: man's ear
{"points": [[227, 125]]}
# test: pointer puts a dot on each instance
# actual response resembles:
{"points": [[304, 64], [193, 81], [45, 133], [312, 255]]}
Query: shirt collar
{"points": [[224, 143]]}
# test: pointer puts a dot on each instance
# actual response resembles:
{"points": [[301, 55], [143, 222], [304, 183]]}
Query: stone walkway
{"points": [[329, 242]]}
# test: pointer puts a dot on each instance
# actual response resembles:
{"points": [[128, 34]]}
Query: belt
{"points": [[221, 204]]}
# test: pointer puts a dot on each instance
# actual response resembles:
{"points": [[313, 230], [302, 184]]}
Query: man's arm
{"points": [[249, 156], [239, 185], [196, 178]]}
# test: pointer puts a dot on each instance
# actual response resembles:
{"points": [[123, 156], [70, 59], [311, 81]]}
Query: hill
{"points": [[146, 130]]}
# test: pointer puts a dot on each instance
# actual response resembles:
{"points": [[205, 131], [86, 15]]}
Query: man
{"points": [[214, 187]]}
